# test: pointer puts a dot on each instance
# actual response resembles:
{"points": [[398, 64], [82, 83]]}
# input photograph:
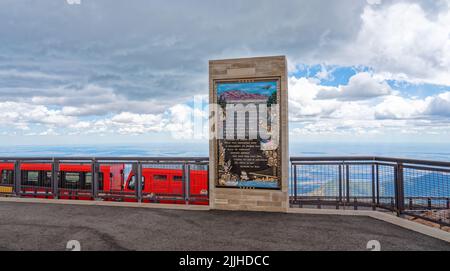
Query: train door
{"points": [[176, 184], [199, 183], [6, 180]]}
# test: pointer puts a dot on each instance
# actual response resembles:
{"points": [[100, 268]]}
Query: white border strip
{"points": [[386, 217]]}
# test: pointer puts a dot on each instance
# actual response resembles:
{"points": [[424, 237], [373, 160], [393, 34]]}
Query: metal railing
{"points": [[163, 179], [416, 188]]}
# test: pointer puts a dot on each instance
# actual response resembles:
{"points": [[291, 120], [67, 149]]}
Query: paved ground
{"points": [[25, 226]]}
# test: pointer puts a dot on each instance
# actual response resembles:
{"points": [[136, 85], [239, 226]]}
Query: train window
{"points": [[100, 181], [88, 178], [76, 180], [72, 177], [160, 177], [37, 178], [132, 183], [47, 178], [31, 177], [178, 178], [7, 177], [86, 182]]}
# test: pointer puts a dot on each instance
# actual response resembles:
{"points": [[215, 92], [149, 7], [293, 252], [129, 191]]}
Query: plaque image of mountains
{"points": [[257, 92], [248, 162]]}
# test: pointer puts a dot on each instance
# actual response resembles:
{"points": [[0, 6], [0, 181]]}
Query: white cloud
{"points": [[374, 2], [21, 114], [361, 86], [49, 132], [180, 121], [388, 113], [62, 79], [439, 105], [401, 40], [303, 102], [396, 107]]}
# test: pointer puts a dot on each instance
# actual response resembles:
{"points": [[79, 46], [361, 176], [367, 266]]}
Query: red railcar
{"points": [[75, 182], [168, 186]]}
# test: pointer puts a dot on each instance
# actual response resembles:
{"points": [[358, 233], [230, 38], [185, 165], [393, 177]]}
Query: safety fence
{"points": [[416, 188], [163, 180]]}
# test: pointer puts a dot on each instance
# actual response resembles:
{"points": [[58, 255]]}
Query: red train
{"points": [[116, 183]]}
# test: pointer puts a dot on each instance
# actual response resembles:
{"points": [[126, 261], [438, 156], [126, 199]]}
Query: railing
{"points": [[163, 180], [416, 188]]}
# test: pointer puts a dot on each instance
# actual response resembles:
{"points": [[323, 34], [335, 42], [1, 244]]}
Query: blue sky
{"points": [[110, 71]]}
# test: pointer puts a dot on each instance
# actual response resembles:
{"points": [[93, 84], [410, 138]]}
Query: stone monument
{"points": [[249, 134]]}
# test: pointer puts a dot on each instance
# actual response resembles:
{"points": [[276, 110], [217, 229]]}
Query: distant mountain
{"points": [[238, 95]]}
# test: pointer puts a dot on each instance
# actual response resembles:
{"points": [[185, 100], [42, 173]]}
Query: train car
{"points": [[75, 182], [167, 186], [6, 178]]}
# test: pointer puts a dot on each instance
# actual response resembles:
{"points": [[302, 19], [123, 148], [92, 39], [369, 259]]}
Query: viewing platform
{"points": [[320, 190], [50, 226], [417, 188]]}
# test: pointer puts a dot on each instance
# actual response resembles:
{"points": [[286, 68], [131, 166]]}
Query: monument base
{"points": [[249, 200]]}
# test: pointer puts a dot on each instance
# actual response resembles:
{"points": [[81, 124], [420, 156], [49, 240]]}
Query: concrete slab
{"points": [[30, 226]]}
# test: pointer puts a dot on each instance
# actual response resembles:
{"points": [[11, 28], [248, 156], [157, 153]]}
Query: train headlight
{"points": [[204, 192]]}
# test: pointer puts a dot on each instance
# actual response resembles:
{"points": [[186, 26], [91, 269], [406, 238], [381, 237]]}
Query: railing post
{"points": [[399, 192], [55, 181], [187, 184], [340, 183], [17, 178], [95, 184], [347, 182], [378, 183], [139, 182], [291, 184], [373, 188], [295, 184]]}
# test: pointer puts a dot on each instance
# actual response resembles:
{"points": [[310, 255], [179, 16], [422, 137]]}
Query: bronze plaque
{"points": [[248, 146]]}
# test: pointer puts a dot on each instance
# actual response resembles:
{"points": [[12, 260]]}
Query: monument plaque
{"points": [[248, 144], [248, 151]]}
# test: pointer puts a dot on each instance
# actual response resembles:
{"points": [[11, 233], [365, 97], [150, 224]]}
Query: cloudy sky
{"points": [[111, 71]]}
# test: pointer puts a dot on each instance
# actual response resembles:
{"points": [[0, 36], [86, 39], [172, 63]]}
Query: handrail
{"points": [[50, 182], [368, 158], [413, 187], [129, 159]]}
